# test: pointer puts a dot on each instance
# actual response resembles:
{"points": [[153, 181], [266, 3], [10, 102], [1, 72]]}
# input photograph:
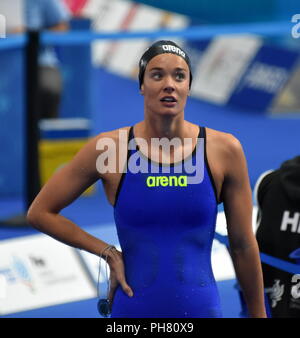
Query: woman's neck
{"points": [[163, 126]]}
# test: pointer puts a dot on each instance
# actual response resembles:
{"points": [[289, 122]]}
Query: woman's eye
{"points": [[180, 76], [156, 76]]}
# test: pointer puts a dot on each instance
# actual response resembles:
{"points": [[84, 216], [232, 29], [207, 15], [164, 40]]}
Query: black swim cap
{"points": [[160, 47]]}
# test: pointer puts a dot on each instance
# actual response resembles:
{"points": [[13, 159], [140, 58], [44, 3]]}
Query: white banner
{"points": [[122, 56], [222, 65], [38, 271]]}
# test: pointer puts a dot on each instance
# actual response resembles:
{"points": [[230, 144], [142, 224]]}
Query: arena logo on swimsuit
{"points": [[108, 161], [165, 181], [173, 49]]}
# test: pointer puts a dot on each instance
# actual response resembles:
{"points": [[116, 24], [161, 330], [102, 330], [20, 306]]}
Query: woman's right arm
{"points": [[62, 189]]}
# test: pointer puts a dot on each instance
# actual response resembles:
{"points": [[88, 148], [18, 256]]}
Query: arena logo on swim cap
{"points": [[173, 49]]}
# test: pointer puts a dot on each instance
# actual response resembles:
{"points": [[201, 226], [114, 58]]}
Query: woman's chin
{"points": [[169, 112]]}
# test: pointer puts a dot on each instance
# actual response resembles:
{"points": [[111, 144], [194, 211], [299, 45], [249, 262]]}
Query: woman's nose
{"points": [[169, 84]]}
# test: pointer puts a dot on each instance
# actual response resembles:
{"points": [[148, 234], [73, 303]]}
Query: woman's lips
{"points": [[169, 104], [168, 101]]}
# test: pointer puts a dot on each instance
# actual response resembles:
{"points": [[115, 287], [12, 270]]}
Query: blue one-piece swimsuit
{"points": [[166, 224]]}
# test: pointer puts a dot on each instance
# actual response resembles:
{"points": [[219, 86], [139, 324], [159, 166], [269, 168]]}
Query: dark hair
{"points": [[160, 47]]}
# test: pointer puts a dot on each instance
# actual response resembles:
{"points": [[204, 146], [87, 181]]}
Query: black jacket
{"points": [[278, 234]]}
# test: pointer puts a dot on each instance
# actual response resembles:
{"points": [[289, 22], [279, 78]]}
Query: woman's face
{"points": [[166, 85]]}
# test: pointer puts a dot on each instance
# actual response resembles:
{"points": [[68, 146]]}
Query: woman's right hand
{"points": [[117, 274]]}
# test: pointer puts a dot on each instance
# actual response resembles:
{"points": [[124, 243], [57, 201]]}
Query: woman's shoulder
{"points": [[97, 143], [224, 141], [114, 134], [222, 137]]}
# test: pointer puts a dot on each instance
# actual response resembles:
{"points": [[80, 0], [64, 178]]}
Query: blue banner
{"points": [[265, 77], [12, 103]]}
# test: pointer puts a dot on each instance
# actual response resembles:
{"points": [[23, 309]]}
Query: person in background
{"points": [[277, 193], [52, 15], [33, 15]]}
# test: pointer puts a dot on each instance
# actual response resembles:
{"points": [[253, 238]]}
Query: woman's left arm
{"points": [[237, 199]]}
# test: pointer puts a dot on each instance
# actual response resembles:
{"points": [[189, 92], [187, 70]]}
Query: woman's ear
{"points": [[142, 89]]}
